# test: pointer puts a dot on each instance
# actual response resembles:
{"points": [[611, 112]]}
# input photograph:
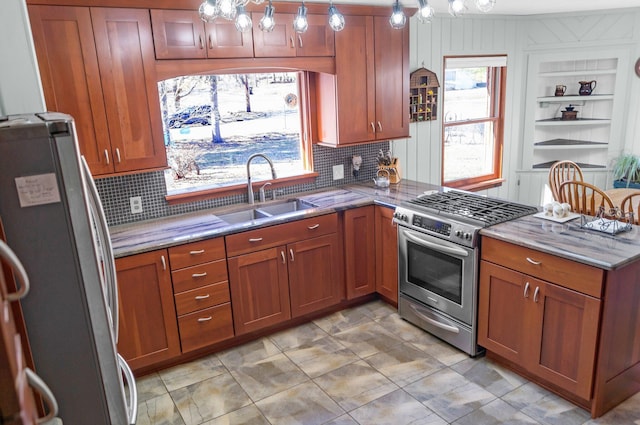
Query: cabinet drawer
{"points": [[205, 327], [570, 274], [200, 275], [203, 297], [196, 253], [268, 237]]}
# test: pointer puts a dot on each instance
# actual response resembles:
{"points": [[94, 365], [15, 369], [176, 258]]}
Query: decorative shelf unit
{"points": [[591, 138], [423, 96]]}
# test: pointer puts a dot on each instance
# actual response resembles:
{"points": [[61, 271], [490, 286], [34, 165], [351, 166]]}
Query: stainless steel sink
{"points": [[265, 211]]}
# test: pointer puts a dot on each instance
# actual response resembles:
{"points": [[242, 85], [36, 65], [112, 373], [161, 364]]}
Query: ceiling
{"points": [[515, 7]]}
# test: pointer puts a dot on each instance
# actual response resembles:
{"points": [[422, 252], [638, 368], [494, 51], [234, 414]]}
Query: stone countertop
{"points": [[135, 238], [569, 240]]}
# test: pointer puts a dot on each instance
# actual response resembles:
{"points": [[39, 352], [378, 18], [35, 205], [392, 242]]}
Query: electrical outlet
{"points": [[136, 204], [338, 172]]}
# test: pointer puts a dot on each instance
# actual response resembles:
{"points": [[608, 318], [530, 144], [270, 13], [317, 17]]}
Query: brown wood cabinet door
{"points": [[386, 254], [259, 289], [68, 64], [225, 41], [178, 34], [315, 278], [501, 311], [392, 80], [318, 40], [359, 251], [127, 70], [148, 330], [275, 44], [564, 341]]}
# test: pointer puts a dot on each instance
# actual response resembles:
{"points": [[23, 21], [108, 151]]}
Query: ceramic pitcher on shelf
{"points": [[586, 87]]}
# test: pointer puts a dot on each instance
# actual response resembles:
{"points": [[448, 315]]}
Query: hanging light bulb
{"points": [[425, 11], [398, 18], [485, 5], [457, 7], [300, 23], [267, 23], [227, 9], [208, 11], [243, 21], [336, 19]]}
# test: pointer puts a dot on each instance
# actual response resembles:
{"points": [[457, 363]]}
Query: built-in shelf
{"points": [[571, 98], [569, 142], [548, 164], [578, 121], [577, 73]]}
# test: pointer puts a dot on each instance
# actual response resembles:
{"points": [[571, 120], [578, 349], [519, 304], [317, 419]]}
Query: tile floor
{"points": [[363, 365]]}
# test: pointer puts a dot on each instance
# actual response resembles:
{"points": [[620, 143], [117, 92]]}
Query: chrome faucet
{"points": [[249, 188]]}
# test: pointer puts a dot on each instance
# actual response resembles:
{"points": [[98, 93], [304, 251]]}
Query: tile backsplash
{"points": [[116, 191]]}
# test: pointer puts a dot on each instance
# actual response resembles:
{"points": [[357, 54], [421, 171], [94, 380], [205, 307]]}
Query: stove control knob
{"points": [[467, 236], [399, 216], [459, 233]]}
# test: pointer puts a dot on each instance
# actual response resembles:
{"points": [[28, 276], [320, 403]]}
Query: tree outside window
{"points": [[473, 121]]}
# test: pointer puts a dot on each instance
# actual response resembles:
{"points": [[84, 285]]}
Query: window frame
{"points": [[306, 145], [496, 83]]}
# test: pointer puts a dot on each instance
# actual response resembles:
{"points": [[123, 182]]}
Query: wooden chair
{"points": [[584, 197], [560, 172], [631, 203]]}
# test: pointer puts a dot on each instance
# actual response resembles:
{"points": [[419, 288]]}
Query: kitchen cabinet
{"points": [[367, 98], [181, 34], [283, 41], [386, 236], [360, 251], [148, 330], [201, 293], [284, 271], [541, 313], [97, 65]]}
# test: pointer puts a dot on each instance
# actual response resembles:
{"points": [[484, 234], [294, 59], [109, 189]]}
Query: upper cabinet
{"points": [[181, 34], [283, 41], [97, 65], [367, 98], [574, 108]]}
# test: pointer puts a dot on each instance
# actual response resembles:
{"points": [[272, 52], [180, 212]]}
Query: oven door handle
{"points": [[435, 323], [437, 246]]}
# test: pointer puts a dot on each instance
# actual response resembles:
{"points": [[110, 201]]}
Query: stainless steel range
{"points": [[438, 260]]}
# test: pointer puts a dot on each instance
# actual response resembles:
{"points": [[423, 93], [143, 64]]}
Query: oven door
{"points": [[438, 273]]}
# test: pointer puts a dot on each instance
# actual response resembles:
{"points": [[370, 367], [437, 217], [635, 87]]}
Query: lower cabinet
{"points": [[284, 271], [386, 254], [548, 329], [360, 251], [148, 331]]}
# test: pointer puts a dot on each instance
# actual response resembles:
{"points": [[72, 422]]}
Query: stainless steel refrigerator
{"points": [[53, 220]]}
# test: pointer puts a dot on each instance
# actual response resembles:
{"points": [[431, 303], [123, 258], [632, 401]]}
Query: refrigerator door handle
{"points": [[105, 239], [42, 388], [132, 408], [7, 254]]}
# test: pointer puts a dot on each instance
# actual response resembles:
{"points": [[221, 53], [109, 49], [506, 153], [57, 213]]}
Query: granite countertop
{"points": [[569, 240], [135, 238]]}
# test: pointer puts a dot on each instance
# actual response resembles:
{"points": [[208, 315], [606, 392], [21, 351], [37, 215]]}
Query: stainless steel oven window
{"points": [[434, 271]]}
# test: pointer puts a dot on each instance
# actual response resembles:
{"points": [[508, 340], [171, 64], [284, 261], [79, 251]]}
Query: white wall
{"points": [[20, 88]]}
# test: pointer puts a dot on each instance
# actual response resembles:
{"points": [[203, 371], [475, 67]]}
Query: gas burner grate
{"points": [[488, 211]]}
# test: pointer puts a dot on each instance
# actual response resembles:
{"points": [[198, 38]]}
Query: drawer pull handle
{"points": [[536, 293], [526, 290], [202, 297], [373, 126], [164, 263], [380, 126], [284, 260], [200, 251], [534, 262], [118, 155], [300, 41], [291, 254], [255, 239], [106, 156], [315, 226], [205, 319], [201, 43], [203, 274]]}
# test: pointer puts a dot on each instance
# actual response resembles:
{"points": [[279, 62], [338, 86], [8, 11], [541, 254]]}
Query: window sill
{"points": [[483, 185], [239, 189]]}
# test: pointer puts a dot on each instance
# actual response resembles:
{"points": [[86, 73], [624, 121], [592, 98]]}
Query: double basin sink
{"points": [[289, 208]]}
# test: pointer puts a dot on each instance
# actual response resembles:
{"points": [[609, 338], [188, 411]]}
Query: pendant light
{"points": [[208, 11], [336, 19], [243, 21], [227, 9], [300, 23], [457, 7], [267, 23], [485, 5], [425, 11], [398, 18]]}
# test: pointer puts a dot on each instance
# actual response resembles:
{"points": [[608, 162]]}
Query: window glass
{"points": [[213, 123], [473, 114]]}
